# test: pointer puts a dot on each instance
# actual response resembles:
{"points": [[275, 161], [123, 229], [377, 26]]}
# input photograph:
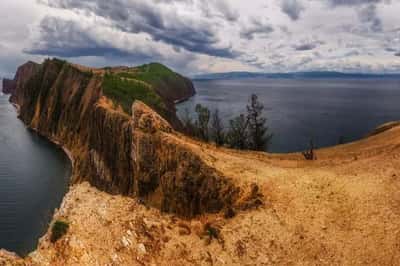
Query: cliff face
{"points": [[24, 73], [171, 85], [134, 154], [9, 86]]}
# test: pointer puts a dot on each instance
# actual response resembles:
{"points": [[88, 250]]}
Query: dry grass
{"points": [[343, 209]]}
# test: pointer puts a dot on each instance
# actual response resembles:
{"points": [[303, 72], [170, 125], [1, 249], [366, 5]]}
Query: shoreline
{"points": [[71, 159], [184, 99], [67, 152]]}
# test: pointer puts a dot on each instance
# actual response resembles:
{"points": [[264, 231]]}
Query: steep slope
{"points": [[168, 84], [8, 86], [23, 74]]}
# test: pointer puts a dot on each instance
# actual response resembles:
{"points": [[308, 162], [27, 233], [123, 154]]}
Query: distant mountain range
{"points": [[293, 75]]}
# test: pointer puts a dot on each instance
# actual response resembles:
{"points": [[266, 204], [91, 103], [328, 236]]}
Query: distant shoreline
{"points": [[294, 75]]}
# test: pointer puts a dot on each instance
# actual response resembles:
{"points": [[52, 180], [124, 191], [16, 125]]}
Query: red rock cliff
{"points": [[137, 155]]}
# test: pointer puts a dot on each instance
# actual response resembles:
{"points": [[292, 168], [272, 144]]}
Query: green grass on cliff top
{"points": [[155, 74], [142, 83], [124, 91]]}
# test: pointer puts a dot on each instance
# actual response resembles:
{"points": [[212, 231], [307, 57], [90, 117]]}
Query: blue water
{"points": [[298, 110], [34, 176]]}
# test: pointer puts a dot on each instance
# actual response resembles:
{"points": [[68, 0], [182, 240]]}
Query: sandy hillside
{"points": [[343, 209]]}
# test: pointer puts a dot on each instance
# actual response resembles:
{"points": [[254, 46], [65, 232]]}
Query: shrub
{"points": [[310, 155], [58, 230], [229, 213], [212, 232]]}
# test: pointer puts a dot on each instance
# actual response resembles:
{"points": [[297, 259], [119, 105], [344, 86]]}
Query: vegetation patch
{"points": [[155, 74], [211, 232], [59, 229], [123, 89], [245, 132]]}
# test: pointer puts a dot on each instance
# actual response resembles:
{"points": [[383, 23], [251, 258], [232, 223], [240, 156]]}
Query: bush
{"points": [[58, 230], [310, 155]]}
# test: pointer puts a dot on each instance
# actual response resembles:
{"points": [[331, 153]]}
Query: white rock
{"points": [[125, 242], [115, 258], [141, 248]]}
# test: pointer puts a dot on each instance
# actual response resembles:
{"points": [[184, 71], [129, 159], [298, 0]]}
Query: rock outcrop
{"points": [[11, 259], [134, 154], [9, 86], [24, 73]]}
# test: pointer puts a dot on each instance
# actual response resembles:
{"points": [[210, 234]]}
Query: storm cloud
{"points": [[151, 17], [200, 36], [368, 15], [292, 8], [256, 28], [73, 40], [356, 2]]}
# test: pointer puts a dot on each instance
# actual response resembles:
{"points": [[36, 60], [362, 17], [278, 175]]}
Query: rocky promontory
{"points": [[119, 126]]}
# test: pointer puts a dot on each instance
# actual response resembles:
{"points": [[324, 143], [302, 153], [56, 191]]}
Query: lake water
{"points": [[34, 177], [299, 109]]}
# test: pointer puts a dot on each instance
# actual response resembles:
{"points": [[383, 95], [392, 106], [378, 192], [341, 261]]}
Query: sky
{"points": [[205, 36]]}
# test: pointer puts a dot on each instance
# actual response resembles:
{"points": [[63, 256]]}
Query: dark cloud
{"points": [[225, 9], [305, 47], [258, 28], [368, 16], [356, 2], [397, 54], [66, 38], [390, 50], [352, 53], [149, 17], [292, 8]]}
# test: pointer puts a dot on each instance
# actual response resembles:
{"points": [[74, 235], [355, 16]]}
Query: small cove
{"points": [[34, 177]]}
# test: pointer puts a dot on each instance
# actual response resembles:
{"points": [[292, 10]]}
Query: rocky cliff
{"points": [[131, 152], [8, 86], [22, 75]]}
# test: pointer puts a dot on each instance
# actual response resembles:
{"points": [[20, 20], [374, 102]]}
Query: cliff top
{"points": [[154, 84]]}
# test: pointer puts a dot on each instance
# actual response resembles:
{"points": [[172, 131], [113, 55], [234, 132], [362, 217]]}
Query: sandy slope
{"points": [[343, 209]]}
